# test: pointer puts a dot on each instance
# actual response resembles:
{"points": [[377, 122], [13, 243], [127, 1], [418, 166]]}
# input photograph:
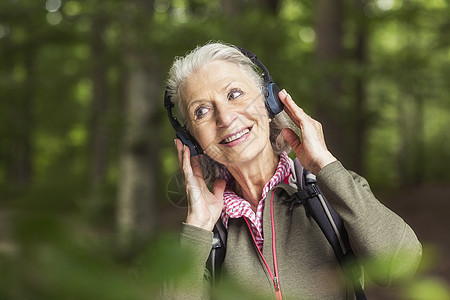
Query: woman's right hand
{"points": [[310, 149], [204, 207]]}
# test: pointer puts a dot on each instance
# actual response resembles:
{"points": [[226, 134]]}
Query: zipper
{"points": [[275, 279], [274, 250]]}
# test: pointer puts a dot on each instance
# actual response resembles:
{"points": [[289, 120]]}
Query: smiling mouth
{"points": [[235, 136]]}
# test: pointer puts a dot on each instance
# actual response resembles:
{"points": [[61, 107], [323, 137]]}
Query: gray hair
{"points": [[183, 67]]}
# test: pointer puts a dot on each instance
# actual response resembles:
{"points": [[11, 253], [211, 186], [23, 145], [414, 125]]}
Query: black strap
{"points": [[321, 211], [218, 250], [316, 209]]}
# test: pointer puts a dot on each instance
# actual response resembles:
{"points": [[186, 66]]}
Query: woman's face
{"points": [[226, 113]]}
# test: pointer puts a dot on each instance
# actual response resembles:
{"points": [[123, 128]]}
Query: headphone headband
{"points": [[252, 56]]}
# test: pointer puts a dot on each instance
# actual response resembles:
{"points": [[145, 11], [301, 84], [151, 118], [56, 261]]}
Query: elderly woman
{"points": [[271, 252]]}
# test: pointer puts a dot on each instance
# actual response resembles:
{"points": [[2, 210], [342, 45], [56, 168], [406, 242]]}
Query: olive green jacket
{"points": [[307, 266]]}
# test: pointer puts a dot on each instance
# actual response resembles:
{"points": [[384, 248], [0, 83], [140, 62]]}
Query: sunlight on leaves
{"points": [[72, 8], [385, 4], [292, 10], [54, 18], [307, 34], [77, 135], [52, 5], [83, 91], [428, 288]]}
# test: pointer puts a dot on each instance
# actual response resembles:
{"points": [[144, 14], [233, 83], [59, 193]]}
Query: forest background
{"points": [[90, 193]]}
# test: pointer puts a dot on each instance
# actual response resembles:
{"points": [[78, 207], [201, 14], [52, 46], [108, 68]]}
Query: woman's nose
{"points": [[225, 115]]}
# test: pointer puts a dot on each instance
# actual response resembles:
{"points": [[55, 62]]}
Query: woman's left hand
{"points": [[310, 148]]}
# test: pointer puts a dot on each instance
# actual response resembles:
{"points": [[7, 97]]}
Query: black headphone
{"points": [[273, 105]]}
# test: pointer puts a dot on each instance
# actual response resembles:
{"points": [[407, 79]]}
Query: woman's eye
{"points": [[200, 112], [235, 93]]}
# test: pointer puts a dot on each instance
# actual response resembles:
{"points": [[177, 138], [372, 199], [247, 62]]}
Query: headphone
{"points": [[273, 105]]}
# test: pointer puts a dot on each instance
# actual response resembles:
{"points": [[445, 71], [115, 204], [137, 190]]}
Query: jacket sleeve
{"points": [[386, 246], [196, 244]]}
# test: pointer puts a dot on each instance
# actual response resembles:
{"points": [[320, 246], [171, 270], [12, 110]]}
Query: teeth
{"points": [[235, 136]]}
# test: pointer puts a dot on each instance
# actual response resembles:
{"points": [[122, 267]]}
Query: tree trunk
{"points": [[360, 56], [272, 5], [136, 217], [99, 111], [231, 8], [410, 156], [329, 106], [418, 142], [329, 29], [138, 191], [20, 165], [403, 118]]}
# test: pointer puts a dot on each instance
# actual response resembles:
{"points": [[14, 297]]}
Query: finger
{"points": [[292, 138], [294, 111], [219, 188], [288, 109], [195, 164], [292, 116], [187, 169], [297, 111], [179, 148]]}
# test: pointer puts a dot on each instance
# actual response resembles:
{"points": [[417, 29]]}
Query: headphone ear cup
{"points": [[189, 141], [273, 103]]}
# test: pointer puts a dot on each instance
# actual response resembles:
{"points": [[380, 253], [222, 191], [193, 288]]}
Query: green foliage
{"points": [[55, 242], [424, 286], [54, 258], [429, 288]]}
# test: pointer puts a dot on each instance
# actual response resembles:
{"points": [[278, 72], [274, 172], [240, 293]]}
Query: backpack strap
{"points": [[331, 225], [218, 249]]}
